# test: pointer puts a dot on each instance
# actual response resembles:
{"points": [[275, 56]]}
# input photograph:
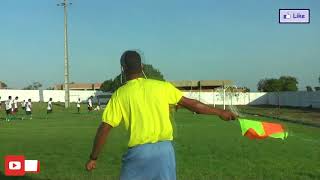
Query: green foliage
{"points": [[3, 85], [284, 83], [33, 86], [106, 85], [50, 88], [309, 88], [317, 88], [152, 72], [288, 83], [112, 85]]}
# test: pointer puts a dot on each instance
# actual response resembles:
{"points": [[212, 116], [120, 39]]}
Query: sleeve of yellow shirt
{"points": [[112, 114], [174, 95]]}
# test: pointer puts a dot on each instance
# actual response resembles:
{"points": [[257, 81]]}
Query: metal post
{"points": [[65, 5], [200, 91], [224, 98], [213, 98]]}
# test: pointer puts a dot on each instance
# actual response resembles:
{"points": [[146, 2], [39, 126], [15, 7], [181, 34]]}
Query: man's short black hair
{"points": [[131, 61]]}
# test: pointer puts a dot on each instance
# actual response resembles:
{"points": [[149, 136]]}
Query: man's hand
{"points": [[227, 115], [91, 164], [99, 140]]}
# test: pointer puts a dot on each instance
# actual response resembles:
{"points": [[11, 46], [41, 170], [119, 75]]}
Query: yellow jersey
{"points": [[143, 105]]}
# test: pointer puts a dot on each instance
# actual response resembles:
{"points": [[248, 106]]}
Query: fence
{"points": [[44, 95], [295, 99]]}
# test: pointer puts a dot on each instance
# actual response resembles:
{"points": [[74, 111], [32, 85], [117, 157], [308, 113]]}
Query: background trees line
{"points": [[114, 84], [284, 83]]}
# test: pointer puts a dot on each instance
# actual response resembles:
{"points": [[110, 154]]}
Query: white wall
{"points": [[22, 94], [296, 99], [58, 95], [253, 98], [44, 95]]}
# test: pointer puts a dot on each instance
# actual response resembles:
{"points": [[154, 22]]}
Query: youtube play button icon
{"points": [[18, 166], [14, 166]]}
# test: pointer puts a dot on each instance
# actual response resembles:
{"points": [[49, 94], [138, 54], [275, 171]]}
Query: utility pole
{"points": [[65, 5]]}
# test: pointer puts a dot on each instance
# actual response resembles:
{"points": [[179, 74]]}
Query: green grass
{"points": [[206, 148], [298, 115]]}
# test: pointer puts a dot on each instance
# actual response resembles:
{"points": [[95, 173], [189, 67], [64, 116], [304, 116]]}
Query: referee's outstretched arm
{"points": [[100, 139], [199, 107]]}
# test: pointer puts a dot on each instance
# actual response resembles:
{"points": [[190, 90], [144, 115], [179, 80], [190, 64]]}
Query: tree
{"points": [[152, 72], [262, 85], [3, 85], [33, 86], [50, 88], [112, 85], [317, 88], [269, 85], [289, 83], [284, 83], [309, 88], [106, 85], [246, 89]]}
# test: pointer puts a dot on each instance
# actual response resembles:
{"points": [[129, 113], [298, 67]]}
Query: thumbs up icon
{"points": [[287, 16]]}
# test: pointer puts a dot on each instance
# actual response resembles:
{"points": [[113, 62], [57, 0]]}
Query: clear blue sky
{"points": [[205, 39]]}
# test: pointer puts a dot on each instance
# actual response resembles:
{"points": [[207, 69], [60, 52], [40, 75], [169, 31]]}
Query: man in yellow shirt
{"points": [[143, 105]]}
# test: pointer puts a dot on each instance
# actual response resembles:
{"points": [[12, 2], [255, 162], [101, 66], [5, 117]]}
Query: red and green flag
{"points": [[260, 130]]}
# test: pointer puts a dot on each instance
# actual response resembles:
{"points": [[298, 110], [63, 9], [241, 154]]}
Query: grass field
{"points": [[206, 148], [308, 116]]}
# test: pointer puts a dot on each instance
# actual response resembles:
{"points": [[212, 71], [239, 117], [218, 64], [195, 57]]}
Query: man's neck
{"points": [[134, 76]]}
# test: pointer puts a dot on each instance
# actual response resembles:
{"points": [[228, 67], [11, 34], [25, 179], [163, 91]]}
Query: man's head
{"points": [[10, 97], [17, 98], [131, 62]]}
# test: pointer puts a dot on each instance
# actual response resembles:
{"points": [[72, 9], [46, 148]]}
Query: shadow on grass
{"points": [[3, 177]]}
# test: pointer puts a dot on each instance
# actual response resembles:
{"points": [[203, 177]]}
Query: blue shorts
{"points": [[149, 162]]}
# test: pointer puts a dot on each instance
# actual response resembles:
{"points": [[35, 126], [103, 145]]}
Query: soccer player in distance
{"points": [[90, 105], [29, 109], [8, 108], [49, 107], [15, 105], [143, 105], [78, 105]]}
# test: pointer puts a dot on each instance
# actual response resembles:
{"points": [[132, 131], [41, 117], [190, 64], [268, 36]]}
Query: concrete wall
{"points": [[22, 94], [253, 98], [44, 95], [295, 99]]}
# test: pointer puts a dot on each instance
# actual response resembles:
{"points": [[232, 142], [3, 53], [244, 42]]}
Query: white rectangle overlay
{"points": [[31, 165]]}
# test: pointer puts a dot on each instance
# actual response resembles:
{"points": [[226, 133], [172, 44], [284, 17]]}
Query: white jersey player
{"points": [[78, 105], [90, 106], [8, 108], [29, 108], [49, 108]]}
